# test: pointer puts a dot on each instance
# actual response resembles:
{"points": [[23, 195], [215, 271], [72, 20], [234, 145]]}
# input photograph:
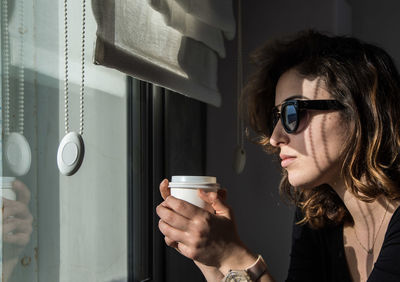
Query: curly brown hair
{"points": [[365, 80]]}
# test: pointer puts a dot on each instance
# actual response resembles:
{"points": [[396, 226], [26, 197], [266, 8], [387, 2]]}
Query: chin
{"points": [[302, 182]]}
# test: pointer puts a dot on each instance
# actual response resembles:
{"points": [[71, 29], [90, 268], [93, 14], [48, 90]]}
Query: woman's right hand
{"points": [[208, 237]]}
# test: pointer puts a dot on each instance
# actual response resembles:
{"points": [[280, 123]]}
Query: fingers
{"points": [[172, 218], [164, 190], [185, 250], [17, 219], [181, 207], [222, 194], [20, 239], [216, 200], [16, 225], [183, 242], [172, 224], [15, 209], [171, 243], [17, 231], [23, 193], [173, 233], [180, 221]]}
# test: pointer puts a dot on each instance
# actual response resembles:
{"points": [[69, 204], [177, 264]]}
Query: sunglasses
{"points": [[290, 113]]}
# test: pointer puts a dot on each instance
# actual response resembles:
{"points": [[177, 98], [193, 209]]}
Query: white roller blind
{"points": [[172, 43]]}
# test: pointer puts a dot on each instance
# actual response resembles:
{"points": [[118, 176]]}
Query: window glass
{"points": [[69, 228]]}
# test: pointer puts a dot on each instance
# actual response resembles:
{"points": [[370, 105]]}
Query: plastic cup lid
{"points": [[194, 179], [191, 181], [6, 182]]}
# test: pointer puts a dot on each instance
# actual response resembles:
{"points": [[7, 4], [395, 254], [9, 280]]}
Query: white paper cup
{"points": [[185, 187], [6, 188]]}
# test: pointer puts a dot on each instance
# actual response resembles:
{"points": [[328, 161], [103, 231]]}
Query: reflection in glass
{"points": [[57, 228], [16, 219], [16, 224]]}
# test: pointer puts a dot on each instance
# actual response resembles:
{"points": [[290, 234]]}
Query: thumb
{"points": [[23, 193], [164, 190], [216, 201]]}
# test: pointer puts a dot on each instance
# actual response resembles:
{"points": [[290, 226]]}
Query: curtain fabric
{"points": [[172, 43]]}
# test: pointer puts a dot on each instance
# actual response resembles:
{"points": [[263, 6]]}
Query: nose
{"points": [[279, 135]]}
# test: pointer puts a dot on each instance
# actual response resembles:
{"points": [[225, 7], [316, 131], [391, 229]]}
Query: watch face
{"points": [[237, 276]]}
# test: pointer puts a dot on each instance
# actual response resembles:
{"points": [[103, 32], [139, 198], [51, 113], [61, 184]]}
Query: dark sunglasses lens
{"points": [[290, 117]]}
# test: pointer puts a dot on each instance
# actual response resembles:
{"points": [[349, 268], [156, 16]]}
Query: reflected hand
{"points": [[205, 236], [17, 220]]}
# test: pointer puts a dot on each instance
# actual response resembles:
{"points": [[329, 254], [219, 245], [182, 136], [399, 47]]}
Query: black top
{"points": [[318, 255]]}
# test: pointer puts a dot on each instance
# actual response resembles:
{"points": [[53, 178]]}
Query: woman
{"points": [[329, 107]]}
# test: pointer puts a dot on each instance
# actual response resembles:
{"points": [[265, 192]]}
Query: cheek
{"points": [[325, 139], [335, 136], [320, 146]]}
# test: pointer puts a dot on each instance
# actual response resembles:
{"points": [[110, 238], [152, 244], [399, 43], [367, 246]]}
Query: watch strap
{"points": [[250, 274], [257, 269]]}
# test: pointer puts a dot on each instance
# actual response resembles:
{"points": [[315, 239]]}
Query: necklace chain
{"points": [[66, 87], [6, 68], [371, 250]]}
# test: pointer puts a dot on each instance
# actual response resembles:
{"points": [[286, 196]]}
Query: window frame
{"points": [[146, 258]]}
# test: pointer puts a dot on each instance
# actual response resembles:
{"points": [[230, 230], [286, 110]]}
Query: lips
{"points": [[286, 160]]}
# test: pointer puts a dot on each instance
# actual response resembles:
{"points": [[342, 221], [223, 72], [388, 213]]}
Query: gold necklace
{"points": [[371, 250]]}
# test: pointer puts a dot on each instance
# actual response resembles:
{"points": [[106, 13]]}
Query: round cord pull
{"points": [[18, 154], [71, 149], [240, 160], [70, 153]]}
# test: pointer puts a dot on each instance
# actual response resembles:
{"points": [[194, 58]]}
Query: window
{"points": [[99, 224], [172, 130], [79, 227]]}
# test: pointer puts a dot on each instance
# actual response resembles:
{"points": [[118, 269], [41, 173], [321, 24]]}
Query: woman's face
{"points": [[312, 155]]}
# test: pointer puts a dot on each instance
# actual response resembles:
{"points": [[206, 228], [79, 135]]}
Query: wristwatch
{"points": [[251, 274]]}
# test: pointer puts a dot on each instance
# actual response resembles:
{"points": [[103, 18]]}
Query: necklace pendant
{"points": [[70, 153]]}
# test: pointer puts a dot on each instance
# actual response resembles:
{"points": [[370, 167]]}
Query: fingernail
{"points": [[164, 181]]}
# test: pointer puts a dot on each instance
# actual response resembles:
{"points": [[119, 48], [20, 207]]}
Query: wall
{"points": [[378, 24], [264, 220]]}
